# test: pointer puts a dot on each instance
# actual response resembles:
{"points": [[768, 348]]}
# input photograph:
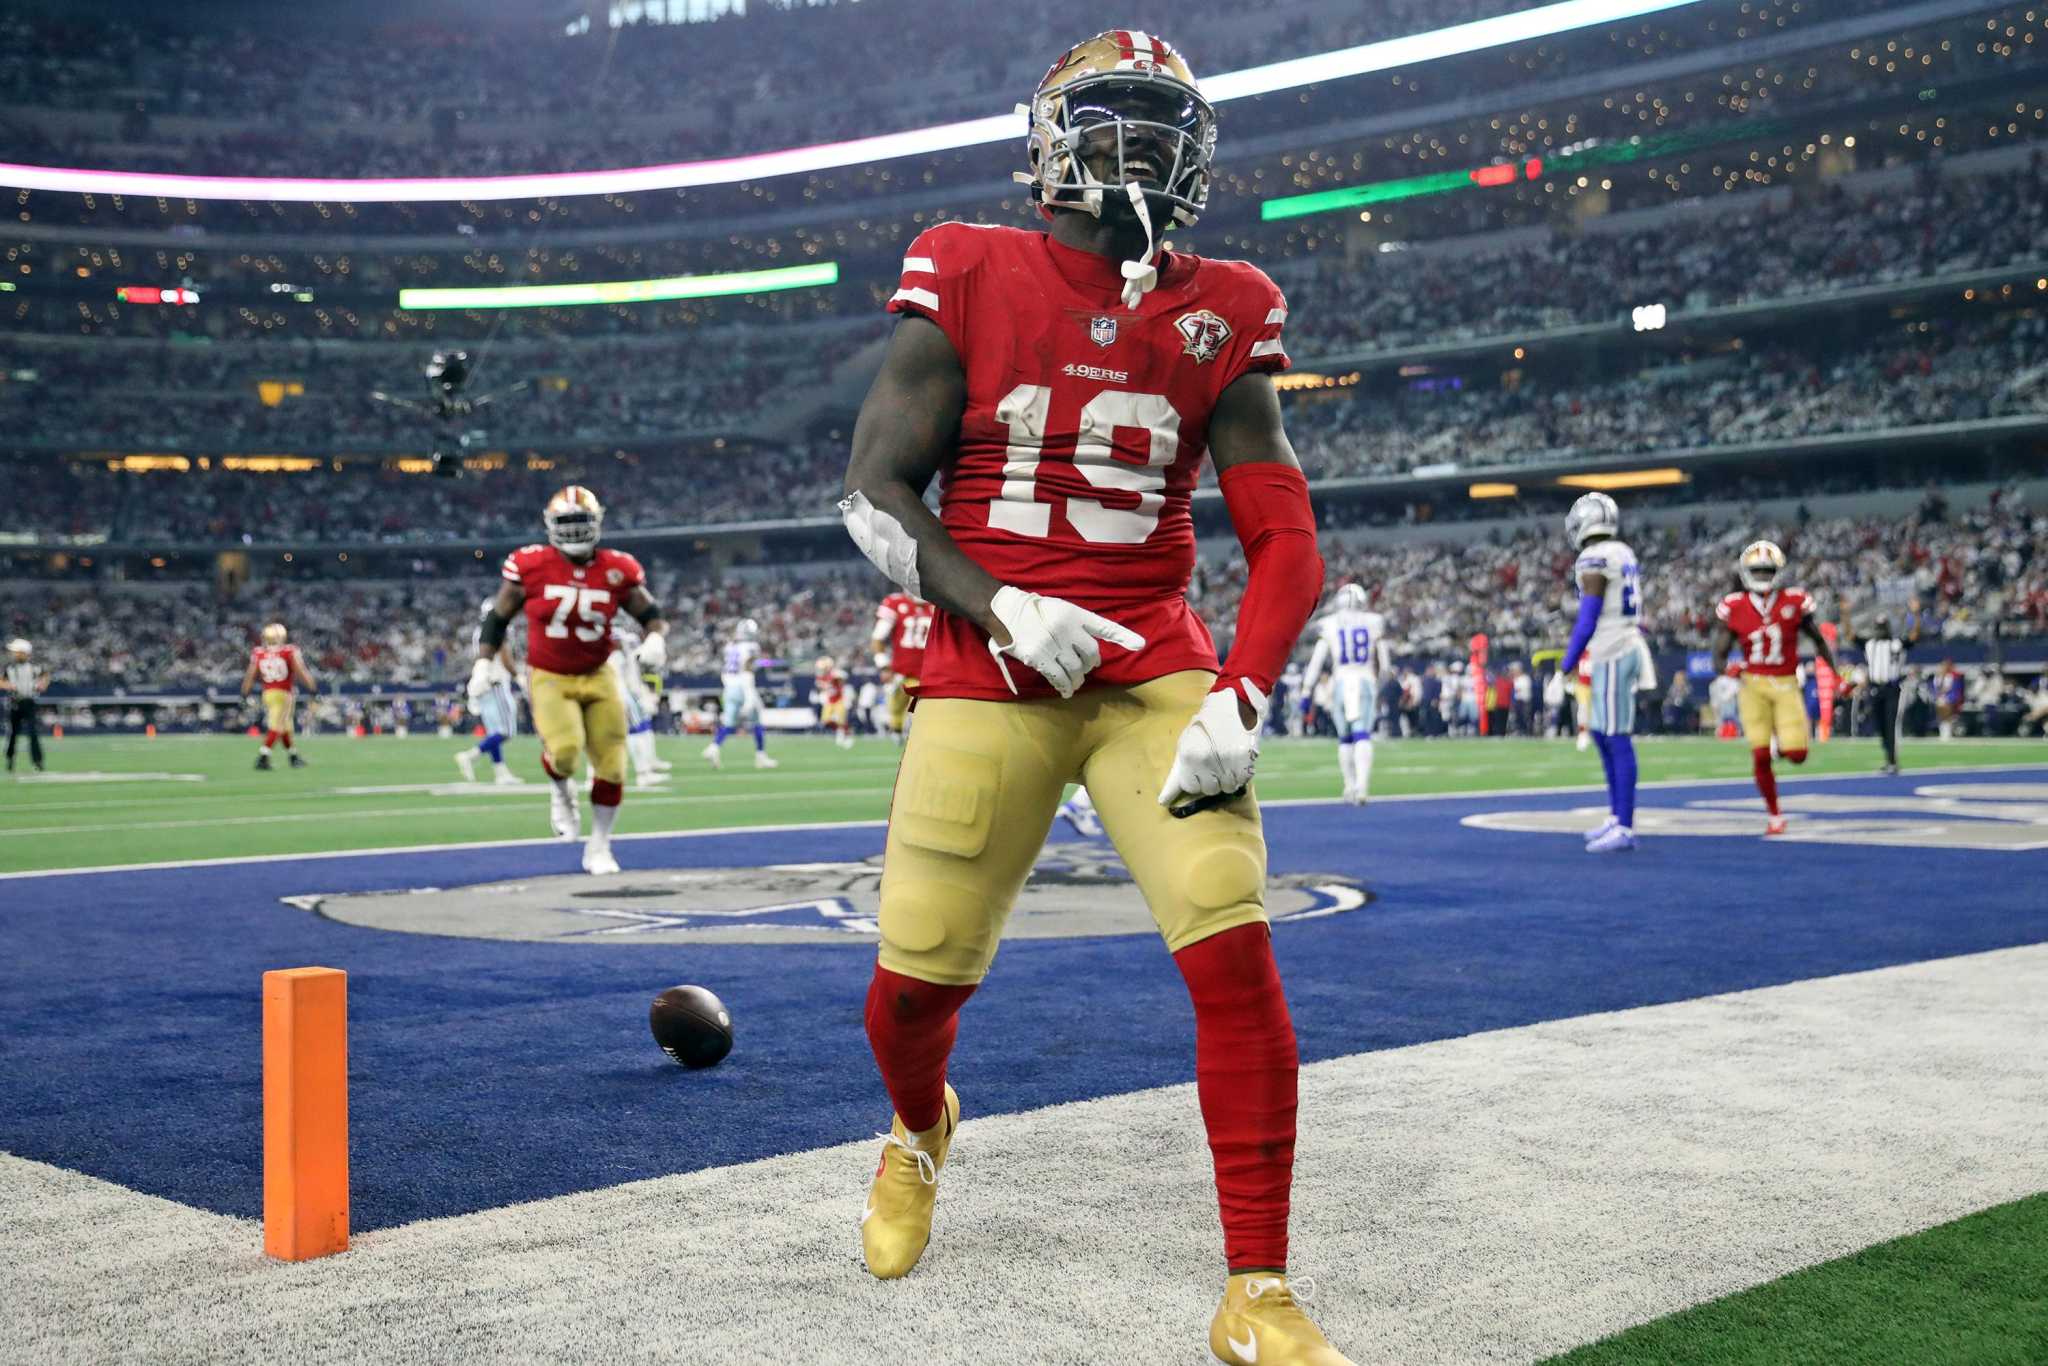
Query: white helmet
{"points": [[749, 629], [1351, 597], [20, 646], [1761, 564], [574, 518], [1594, 514]]}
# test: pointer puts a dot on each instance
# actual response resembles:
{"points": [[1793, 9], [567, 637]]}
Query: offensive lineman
{"points": [[1607, 636], [277, 665], [741, 704], [1767, 621], [495, 706], [570, 590], [1068, 385], [1352, 644]]}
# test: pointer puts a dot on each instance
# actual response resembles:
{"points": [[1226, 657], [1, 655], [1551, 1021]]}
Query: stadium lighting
{"points": [[1626, 479], [1484, 490], [1542, 22], [623, 291]]}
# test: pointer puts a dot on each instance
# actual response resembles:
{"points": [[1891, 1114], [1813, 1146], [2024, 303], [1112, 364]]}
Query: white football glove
{"points": [[480, 679], [500, 675], [653, 652], [1216, 754], [1054, 637]]}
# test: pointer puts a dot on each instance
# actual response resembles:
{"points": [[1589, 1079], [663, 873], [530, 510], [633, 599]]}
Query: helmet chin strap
{"points": [[1141, 275]]}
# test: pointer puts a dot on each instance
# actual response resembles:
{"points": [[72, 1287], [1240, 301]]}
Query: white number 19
{"points": [[1024, 409]]}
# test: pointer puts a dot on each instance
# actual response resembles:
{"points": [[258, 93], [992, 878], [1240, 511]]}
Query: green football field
{"points": [[127, 799]]}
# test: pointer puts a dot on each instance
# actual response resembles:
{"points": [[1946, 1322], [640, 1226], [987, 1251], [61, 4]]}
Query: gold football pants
{"points": [[1773, 702], [277, 710], [977, 792], [575, 713], [900, 694]]}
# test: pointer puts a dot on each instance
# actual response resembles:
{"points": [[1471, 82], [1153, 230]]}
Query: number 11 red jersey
{"points": [[1768, 627], [570, 604], [1084, 430]]}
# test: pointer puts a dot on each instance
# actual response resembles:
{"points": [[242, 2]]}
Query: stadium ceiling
{"points": [[1476, 36]]}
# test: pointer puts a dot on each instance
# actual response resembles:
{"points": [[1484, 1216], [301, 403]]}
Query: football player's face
{"points": [[1149, 116]]}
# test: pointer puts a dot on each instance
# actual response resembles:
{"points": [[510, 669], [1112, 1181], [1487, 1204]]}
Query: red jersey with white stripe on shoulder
{"points": [[274, 666], [1768, 626], [905, 623], [570, 604], [1084, 431]]}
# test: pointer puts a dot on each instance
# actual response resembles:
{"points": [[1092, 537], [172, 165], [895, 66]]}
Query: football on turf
{"points": [[691, 1025]]}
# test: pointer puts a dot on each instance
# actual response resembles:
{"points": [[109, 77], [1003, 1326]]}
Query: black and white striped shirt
{"points": [[1884, 659], [21, 676]]}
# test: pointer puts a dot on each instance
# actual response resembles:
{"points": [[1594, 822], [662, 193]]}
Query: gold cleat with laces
{"points": [[1259, 1324], [897, 1222]]}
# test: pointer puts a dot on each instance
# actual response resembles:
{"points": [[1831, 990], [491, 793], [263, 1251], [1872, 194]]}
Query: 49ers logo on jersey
{"points": [[1202, 334]]}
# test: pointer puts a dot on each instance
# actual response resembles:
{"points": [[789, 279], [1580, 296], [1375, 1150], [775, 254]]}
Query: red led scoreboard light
{"points": [[151, 294]]}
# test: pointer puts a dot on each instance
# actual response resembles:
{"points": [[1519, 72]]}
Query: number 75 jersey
{"points": [[570, 604], [1083, 432]]}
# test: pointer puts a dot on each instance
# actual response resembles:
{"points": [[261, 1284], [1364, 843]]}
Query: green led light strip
{"points": [[623, 291], [1444, 182]]}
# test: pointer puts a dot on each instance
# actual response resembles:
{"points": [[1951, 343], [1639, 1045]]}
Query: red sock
{"points": [[1795, 756], [285, 738], [1246, 1066], [547, 766], [269, 738], [1766, 780], [911, 1026], [604, 793]]}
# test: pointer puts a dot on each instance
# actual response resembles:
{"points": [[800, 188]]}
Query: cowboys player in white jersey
{"points": [[1352, 643], [496, 706], [1610, 584], [649, 769], [741, 705]]}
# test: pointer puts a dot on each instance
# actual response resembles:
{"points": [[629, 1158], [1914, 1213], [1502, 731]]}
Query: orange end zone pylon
{"points": [[305, 1113]]}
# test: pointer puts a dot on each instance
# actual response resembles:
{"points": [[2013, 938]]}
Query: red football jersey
{"points": [[570, 604], [831, 686], [274, 666], [906, 623], [1084, 431], [1768, 627]]}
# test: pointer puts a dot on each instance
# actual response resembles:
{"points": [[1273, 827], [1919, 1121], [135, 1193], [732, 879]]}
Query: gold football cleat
{"points": [[897, 1222], [1259, 1324]]}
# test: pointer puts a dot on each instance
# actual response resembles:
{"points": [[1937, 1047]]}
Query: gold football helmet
{"points": [[1137, 89], [1761, 564], [574, 519], [274, 634]]}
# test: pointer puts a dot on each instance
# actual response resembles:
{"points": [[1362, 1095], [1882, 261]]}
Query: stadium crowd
{"points": [[1973, 576]]}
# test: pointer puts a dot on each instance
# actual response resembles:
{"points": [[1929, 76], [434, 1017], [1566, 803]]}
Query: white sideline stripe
{"points": [[917, 296], [919, 265], [785, 828], [1497, 1197]]}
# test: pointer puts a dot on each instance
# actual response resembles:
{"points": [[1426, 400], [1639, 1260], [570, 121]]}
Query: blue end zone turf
{"points": [[485, 1073]]}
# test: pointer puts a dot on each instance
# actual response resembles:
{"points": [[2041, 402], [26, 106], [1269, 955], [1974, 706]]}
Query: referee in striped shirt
{"points": [[22, 681], [1884, 664]]}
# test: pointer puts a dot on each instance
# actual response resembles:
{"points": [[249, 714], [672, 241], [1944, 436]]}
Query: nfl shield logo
{"points": [[1102, 331]]}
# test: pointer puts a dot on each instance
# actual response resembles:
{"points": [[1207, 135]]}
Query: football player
{"points": [[1352, 644], [741, 704], [1766, 621], [638, 695], [570, 589], [277, 665], [1064, 388], [1607, 637], [834, 698], [902, 624], [496, 708]]}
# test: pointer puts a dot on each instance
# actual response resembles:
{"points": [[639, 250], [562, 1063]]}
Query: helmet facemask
{"points": [[1760, 567], [1119, 120], [574, 530]]}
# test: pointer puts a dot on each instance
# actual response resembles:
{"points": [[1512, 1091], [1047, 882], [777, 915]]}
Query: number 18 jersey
{"points": [[570, 604], [1083, 432]]}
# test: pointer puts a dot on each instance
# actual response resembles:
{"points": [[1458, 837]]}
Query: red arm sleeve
{"points": [[1269, 507]]}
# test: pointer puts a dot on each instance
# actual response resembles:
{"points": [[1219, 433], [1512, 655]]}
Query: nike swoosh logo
{"points": [[1248, 1349]]}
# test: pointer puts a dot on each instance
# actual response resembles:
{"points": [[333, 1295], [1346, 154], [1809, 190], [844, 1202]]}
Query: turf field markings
{"points": [[1569, 1178]]}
